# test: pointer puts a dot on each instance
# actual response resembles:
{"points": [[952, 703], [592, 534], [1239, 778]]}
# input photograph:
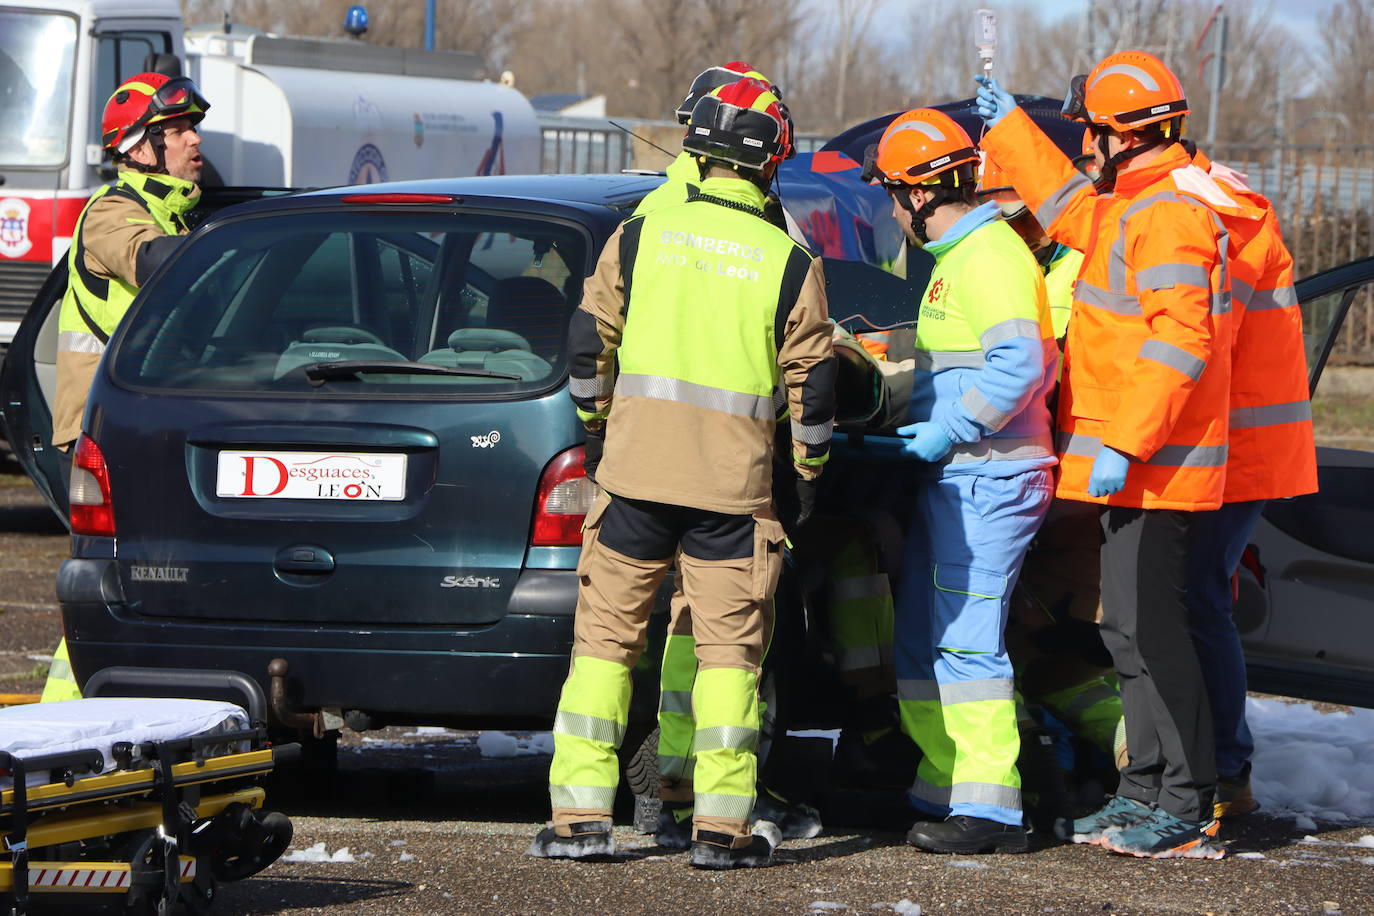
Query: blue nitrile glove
{"points": [[928, 441], [994, 103], [1109, 472]]}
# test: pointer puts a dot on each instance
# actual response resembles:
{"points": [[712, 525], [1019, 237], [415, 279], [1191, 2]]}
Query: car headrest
{"points": [[342, 334], [489, 339], [532, 307]]}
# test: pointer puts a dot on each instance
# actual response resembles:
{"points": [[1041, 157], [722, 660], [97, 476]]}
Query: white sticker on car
{"points": [[310, 475], [489, 440]]}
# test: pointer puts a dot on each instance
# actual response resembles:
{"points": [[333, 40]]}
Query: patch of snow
{"points": [[398, 842], [967, 863], [318, 853], [1367, 860], [1312, 764], [1366, 841], [1249, 855], [405, 857], [541, 743], [365, 855], [905, 907], [427, 731], [824, 906], [832, 733], [497, 744]]}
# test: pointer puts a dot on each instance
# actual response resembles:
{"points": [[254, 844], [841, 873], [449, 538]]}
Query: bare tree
{"points": [[1347, 37]]}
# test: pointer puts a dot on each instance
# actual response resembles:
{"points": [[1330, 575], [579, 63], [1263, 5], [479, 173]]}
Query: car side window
{"points": [[1343, 401]]}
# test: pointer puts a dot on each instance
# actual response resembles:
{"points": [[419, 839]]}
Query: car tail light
{"points": [[92, 510], [564, 498], [400, 198]]}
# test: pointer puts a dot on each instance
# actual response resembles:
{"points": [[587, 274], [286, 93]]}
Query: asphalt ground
{"points": [[417, 821]]}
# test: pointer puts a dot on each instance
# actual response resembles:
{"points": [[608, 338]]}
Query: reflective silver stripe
{"points": [[1281, 298], [853, 588], [970, 793], [678, 701], [1221, 303], [713, 804], [597, 387], [1054, 205], [738, 403], [1241, 292], [1118, 303], [938, 360], [1010, 329], [1164, 276], [675, 767], [982, 411], [862, 657], [993, 688], [1136, 73], [922, 690], [1174, 357], [779, 402], [592, 728], [813, 433], [587, 798], [79, 342], [60, 669], [723, 737], [1271, 415], [1168, 456], [998, 449]]}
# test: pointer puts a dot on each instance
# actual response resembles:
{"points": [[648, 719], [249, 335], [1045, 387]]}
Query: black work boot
{"points": [[674, 829], [969, 835], [589, 839], [713, 850]]}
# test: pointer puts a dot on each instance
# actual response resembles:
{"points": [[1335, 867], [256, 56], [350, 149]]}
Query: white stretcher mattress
{"points": [[100, 723]]}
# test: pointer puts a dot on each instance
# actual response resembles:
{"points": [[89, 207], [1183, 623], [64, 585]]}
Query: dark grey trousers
{"points": [[1163, 695]]}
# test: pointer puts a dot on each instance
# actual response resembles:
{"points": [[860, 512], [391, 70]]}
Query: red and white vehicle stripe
{"points": [[91, 878]]}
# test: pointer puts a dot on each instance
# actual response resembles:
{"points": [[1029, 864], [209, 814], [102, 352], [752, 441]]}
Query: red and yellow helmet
{"points": [[925, 146], [715, 77], [1130, 90], [742, 124], [146, 99]]}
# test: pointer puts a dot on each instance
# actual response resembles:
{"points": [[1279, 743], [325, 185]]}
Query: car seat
{"points": [[334, 344], [492, 349], [533, 308]]}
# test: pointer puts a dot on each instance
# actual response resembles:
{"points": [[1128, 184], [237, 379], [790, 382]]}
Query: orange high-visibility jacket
{"points": [[1272, 454], [1147, 364]]}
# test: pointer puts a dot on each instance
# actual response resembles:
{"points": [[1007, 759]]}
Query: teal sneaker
{"points": [[1164, 836], [1118, 812]]}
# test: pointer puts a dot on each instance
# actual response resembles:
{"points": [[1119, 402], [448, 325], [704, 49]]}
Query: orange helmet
{"points": [[925, 146], [143, 100], [1130, 90], [993, 184]]}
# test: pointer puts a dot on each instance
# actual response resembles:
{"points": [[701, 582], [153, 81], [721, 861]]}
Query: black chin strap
{"points": [[159, 145], [1107, 180]]}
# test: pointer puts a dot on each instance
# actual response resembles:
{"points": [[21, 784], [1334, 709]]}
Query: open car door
{"points": [[28, 378], [1306, 605]]}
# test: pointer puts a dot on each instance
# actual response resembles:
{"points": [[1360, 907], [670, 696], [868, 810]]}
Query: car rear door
{"points": [[1306, 609], [28, 377]]}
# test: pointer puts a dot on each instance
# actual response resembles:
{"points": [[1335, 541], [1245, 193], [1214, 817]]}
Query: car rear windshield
{"points": [[345, 303]]}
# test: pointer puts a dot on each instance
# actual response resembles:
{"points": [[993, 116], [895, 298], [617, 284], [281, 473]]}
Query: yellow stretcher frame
{"points": [[70, 808]]}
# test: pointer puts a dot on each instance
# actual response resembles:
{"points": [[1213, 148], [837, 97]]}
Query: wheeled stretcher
{"points": [[148, 802]]}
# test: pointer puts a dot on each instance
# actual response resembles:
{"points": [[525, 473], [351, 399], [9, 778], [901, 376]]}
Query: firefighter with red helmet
{"points": [[125, 231], [685, 396]]}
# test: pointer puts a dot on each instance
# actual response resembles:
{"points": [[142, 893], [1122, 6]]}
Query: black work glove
{"points": [[596, 442], [806, 500]]}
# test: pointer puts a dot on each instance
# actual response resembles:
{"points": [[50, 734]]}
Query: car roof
{"points": [[610, 190]]}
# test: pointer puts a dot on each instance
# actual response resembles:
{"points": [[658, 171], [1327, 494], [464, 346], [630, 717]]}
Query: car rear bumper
{"points": [[507, 674]]}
